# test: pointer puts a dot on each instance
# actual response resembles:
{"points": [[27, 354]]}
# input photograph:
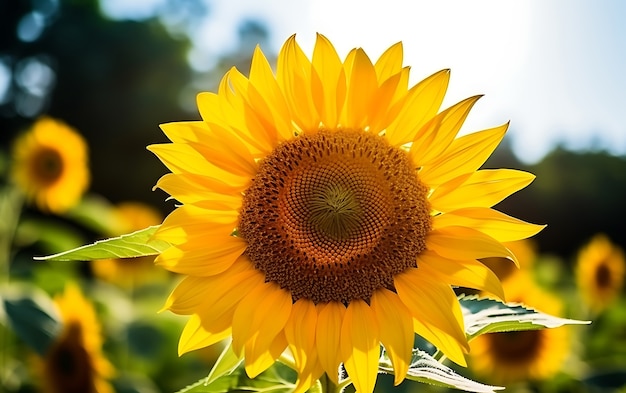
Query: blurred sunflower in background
{"points": [[130, 217], [600, 272], [74, 363], [50, 165], [338, 201], [531, 355]]}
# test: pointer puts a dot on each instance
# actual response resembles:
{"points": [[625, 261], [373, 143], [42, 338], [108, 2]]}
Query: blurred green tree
{"points": [[115, 81]]}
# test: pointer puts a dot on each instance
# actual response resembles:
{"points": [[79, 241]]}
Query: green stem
{"points": [[10, 209], [327, 385]]}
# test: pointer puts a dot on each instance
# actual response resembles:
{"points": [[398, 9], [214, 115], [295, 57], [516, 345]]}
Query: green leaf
{"points": [[136, 244], [277, 378], [225, 364], [424, 368], [489, 316], [32, 317]]}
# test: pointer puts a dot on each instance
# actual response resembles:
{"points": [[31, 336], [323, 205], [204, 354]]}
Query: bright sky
{"points": [[554, 68]]}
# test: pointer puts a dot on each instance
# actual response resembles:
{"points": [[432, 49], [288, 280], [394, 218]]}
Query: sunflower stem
{"points": [[327, 385]]}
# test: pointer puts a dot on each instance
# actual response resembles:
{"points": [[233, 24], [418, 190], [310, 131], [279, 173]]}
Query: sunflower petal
{"points": [[263, 359], [195, 336], [465, 155], [396, 330], [191, 222], [329, 85], [294, 74], [423, 102], [300, 332], [328, 337], [491, 222], [456, 242], [437, 135], [436, 312], [360, 90], [360, 345], [465, 273], [390, 62], [263, 79], [216, 292], [252, 330], [483, 188]]}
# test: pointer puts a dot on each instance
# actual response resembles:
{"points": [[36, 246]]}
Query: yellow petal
{"points": [[224, 183], [294, 77], [217, 254], [396, 330], [435, 137], [328, 337], [226, 151], [252, 329], [466, 273], [390, 62], [195, 335], [466, 154], [360, 91], [182, 158], [185, 131], [380, 112], [186, 189], [422, 103], [191, 222], [263, 79], [300, 332], [218, 293], [483, 188], [463, 243], [436, 312], [308, 377], [498, 225], [360, 345], [258, 360], [209, 107], [329, 85]]}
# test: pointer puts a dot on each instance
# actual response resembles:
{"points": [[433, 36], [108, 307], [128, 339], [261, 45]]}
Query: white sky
{"points": [[554, 68]]}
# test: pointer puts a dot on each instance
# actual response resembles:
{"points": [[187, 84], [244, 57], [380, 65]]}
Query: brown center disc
{"points": [[334, 216]]}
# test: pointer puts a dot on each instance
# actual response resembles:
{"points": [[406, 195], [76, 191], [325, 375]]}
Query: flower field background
{"points": [[112, 83]]}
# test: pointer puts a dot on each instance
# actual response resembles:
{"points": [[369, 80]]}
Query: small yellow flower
{"points": [[508, 357], [75, 363], [50, 165], [130, 216], [328, 208], [600, 272]]}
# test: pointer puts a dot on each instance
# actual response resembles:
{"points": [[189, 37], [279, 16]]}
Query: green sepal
{"points": [[136, 244]]}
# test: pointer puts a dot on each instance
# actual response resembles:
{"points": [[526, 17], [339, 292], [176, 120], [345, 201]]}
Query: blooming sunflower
{"points": [[130, 216], [50, 165], [74, 362], [507, 357], [329, 208], [600, 272]]}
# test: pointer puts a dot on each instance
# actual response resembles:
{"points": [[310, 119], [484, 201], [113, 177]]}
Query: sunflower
{"points": [[130, 216], [74, 362], [329, 208], [600, 272], [50, 165], [530, 355]]}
